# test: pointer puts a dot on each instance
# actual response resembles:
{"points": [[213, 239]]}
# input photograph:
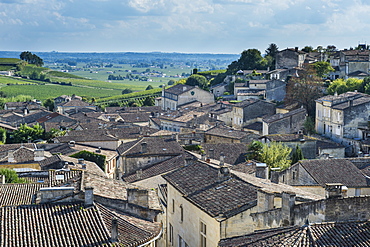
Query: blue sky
{"points": [[199, 26]]}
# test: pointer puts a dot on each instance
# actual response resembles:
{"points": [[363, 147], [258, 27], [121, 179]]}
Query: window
{"points": [[182, 243], [173, 205], [181, 213], [203, 234], [170, 234]]}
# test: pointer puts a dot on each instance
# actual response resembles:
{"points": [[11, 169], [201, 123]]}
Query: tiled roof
{"points": [[234, 152], [155, 146], [85, 138], [200, 184], [133, 109], [19, 194], [279, 116], [132, 231], [248, 167], [287, 137], [70, 225], [179, 89], [320, 235], [246, 103], [227, 132], [75, 102], [157, 169], [334, 171]]}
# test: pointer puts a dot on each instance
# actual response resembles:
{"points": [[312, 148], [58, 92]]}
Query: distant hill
{"points": [[129, 57], [7, 64]]}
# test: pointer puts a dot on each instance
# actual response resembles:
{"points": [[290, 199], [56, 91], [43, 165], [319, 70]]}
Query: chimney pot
{"points": [[261, 170], [114, 233], [89, 196]]}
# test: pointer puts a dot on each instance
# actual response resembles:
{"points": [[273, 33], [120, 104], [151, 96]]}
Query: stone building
{"points": [[313, 175], [284, 123], [340, 118], [248, 111], [181, 94], [290, 58], [145, 152]]}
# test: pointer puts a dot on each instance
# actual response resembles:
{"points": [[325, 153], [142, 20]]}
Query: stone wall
{"points": [[328, 210]]}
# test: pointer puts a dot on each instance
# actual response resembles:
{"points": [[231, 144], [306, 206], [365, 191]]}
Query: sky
{"points": [[187, 26]]}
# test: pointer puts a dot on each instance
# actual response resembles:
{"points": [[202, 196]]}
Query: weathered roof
{"points": [[280, 116], [288, 137], [70, 225], [234, 152], [179, 89], [19, 194], [157, 169], [200, 184], [320, 234], [75, 103], [155, 145], [334, 171], [228, 132]]}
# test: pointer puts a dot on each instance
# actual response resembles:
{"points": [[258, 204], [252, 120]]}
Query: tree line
{"points": [[31, 58]]}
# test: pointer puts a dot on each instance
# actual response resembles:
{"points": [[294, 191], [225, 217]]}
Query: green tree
{"points": [[323, 68], [149, 101], [254, 149], [340, 86], [149, 87], [197, 80], [249, 59], [271, 52], [307, 49], [126, 91], [275, 154], [49, 104], [11, 176], [26, 133], [31, 58], [3, 135], [170, 82], [297, 155], [309, 126], [52, 133]]}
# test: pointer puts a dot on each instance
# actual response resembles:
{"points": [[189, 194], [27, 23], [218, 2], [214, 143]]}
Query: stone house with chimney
{"points": [[313, 175], [341, 118], [181, 94], [145, 152], [350, 64]]}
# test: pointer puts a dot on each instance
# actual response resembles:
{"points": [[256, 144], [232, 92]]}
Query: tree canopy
{"points": [[31, 58], [323, 68], [197, 80], [11, 176], [250, 59], [275, 154]]}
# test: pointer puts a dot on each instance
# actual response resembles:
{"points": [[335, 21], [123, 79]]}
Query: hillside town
{"points": [[198, 168]]}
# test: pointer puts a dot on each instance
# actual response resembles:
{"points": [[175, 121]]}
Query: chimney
{"points": [[177, 137], [71, 143], [66, 166], [139, 173], [222, 159], [183, 88], [89, 196], [211, 153], [350, 102], [83, 166], [140, 130], [333, 190], [287, 207], [144, 147], [11, 156], [265, 200], [274, 175], [262, 170], [114, 233], [81, 161], [203, 156], [138, 197], [296, 49]]}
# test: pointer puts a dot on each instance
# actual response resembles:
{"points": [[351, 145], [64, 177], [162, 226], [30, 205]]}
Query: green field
{"points": [[43, 92]]}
